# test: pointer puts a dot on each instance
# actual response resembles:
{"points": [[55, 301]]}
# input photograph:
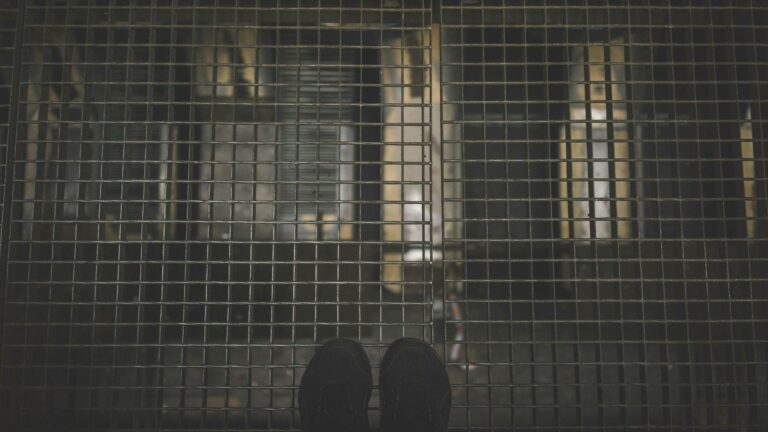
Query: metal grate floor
{"points": [[568, 200]]}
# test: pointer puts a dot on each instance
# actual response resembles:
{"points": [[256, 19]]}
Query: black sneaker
{"points": [[415, 393], [336, 388]]}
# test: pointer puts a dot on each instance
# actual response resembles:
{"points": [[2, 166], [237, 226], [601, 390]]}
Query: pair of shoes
{"points": [[336, 388]]}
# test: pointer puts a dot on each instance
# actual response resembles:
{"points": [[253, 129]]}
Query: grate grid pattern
{"points": [[568, 200], [608, 258], [197, 204]]}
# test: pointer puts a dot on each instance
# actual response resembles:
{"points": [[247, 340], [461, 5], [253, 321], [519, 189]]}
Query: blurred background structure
{"points": [[569, 200]]}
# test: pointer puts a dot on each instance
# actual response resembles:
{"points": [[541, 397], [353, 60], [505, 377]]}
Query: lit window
{"points": [[594, 146], [748, 171]]}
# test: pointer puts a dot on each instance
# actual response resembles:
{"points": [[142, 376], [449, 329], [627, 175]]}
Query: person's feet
{"points": [[336, 388], [415, 393]]}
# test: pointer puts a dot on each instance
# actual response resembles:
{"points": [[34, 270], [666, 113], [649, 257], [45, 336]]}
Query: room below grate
{"points": [[568, 201]]}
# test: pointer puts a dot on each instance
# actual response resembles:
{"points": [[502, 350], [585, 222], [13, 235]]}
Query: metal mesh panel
{"points": [[198, 204], [610, 263], [567, 199]]}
